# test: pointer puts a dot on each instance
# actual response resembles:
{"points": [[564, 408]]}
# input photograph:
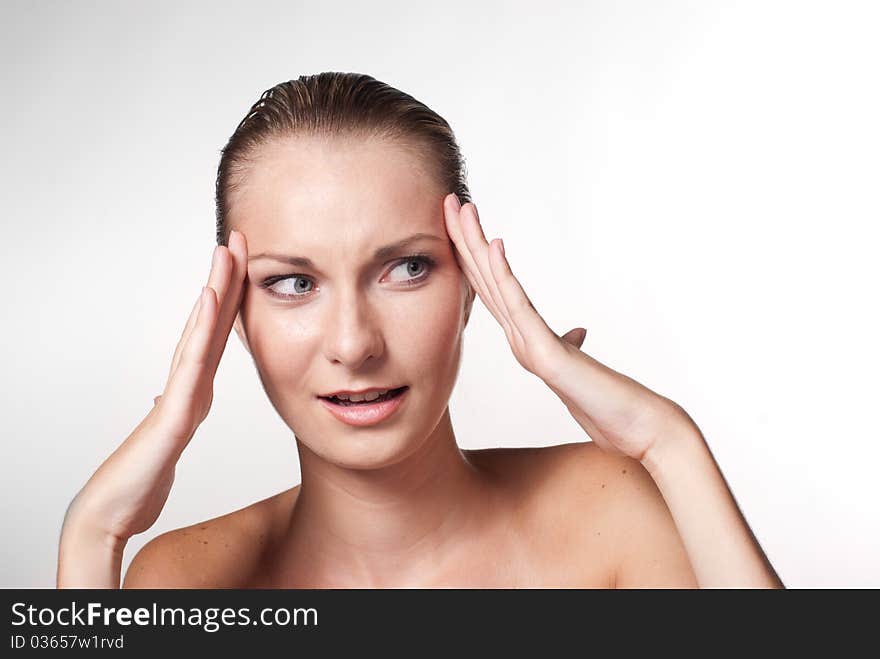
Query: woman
{"points": [[348, 267]]}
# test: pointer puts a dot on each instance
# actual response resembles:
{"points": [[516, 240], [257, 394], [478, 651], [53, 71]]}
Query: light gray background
{"points": [[694, 182]]}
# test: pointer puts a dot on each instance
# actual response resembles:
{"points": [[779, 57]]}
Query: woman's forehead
{"points": [[339, 168], [323, 189]]}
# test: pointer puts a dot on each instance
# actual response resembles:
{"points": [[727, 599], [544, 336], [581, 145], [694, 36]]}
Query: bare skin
{"points": [[398, 504], [560, 516]]}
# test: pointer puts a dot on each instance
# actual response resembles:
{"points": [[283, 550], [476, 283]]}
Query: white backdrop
{"points": [[694, 182]]}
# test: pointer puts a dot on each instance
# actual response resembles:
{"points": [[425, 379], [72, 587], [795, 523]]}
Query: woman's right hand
{"points": [[128, 491]]}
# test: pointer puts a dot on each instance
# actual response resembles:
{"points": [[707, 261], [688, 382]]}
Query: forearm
{"points": [[87, 558], [722, 550]]}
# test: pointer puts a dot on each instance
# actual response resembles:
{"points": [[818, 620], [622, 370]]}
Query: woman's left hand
{"points": [[618, 413]]}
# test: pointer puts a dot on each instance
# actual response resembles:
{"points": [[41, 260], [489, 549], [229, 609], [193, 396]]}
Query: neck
{"points": [[382, 526]]}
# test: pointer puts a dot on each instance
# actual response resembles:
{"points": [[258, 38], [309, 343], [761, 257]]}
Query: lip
{"points": [[365, 414], [357, 391]]}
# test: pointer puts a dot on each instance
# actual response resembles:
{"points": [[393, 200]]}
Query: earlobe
{"points": [[239, 329]]}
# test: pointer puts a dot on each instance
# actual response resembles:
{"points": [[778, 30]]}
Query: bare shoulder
{"points": [[646, 549], [578, 472], [602, 510], [563, 497], [221, 552]]}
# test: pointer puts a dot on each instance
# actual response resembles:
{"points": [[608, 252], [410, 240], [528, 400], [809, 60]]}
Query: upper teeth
{"points": [[372, 395]]}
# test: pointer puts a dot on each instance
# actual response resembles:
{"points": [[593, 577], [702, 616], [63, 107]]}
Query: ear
{"points": [[469, 302], [239, 329]]}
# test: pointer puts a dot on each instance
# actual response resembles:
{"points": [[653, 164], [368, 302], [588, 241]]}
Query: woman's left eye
{"points": [[414, 269]]}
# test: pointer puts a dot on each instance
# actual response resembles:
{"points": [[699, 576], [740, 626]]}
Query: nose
{"points": [[353, 332]]}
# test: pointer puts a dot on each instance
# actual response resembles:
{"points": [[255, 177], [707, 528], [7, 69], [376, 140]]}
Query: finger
{"points": [[194, 357], [190, 323], [522, 312], [232, 301], [451, 209], [466, 259], [457, 223], [187, 330], [220, 281], [479, 248], [575, 337]]}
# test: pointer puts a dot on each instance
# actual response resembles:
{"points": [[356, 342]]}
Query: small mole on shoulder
{"points": [[623, 472]]}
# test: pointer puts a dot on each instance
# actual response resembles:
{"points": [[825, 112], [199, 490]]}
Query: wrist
{"points": [[679, 442], [88, 557], [561, 365], [83, 525]]}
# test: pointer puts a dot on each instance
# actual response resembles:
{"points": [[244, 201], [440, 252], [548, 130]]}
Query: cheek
{"points": [[282, 345], [428, 335]]}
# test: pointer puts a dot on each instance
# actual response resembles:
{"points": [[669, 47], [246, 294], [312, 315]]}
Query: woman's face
{"points": [[351, 317]]}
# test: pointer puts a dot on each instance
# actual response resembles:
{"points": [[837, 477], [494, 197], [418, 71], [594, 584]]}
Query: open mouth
{"points": [[393, 393]]}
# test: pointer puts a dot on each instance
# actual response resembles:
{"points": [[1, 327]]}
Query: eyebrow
{"points": [[381, 253]]}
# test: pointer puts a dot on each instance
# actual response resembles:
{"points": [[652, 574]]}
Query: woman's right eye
{"points": [[293, 286]]}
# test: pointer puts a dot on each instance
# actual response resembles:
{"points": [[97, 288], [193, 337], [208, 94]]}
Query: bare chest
{"points": [[511, 562]]}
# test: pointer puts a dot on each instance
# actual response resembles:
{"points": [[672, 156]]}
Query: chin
{"points": [[366, 451]]}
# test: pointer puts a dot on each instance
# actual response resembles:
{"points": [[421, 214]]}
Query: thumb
{"points": [[575, 337]]}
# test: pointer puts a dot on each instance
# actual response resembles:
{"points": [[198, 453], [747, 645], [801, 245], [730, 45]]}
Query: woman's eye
{"points": [[294, 286], [411, 271]]}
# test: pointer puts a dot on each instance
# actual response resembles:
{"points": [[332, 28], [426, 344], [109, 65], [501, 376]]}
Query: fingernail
{"points": [[456, 202], [501, 245]]}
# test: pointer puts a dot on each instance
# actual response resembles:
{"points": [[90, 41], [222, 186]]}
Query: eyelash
{"points": [[425, 259]]}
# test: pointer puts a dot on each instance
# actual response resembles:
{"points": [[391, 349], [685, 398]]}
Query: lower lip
{"points": [[365, 414]]}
